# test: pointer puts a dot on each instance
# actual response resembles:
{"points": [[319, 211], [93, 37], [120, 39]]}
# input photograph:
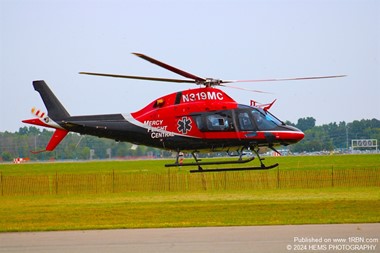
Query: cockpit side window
{"points": [[245, 121]]}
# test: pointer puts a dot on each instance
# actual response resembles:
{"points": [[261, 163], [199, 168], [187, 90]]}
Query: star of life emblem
{"points": [[184, 125]]}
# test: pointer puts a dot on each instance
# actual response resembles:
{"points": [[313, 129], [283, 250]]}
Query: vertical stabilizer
{"points": [[55, 109]]}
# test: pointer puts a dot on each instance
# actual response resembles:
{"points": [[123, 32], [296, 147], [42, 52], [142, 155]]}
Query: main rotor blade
{"points": [[282, 79], [171, 68], [240, 88], [140, 77]]}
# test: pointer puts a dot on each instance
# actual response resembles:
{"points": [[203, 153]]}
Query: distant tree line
{"points": [[73, 147], [333, 136], [327, 137]]}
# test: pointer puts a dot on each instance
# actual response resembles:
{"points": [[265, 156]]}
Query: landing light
{"points": [[159, 102]]}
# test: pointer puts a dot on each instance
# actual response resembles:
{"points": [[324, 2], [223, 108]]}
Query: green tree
{"points": [[6, 156], [305, 123]]}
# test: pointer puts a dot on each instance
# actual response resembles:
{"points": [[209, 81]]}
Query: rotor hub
{"points": [[211, 82]]}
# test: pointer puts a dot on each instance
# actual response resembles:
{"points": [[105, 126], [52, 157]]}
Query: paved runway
{"points": [[303, 238]]}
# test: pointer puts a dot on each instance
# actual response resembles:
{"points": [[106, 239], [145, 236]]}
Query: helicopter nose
{"points": [[290, 136], [296, 134], [299, 135]]}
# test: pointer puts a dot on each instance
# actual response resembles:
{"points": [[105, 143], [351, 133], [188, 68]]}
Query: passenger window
{"points": [[199, 122], [216, 121]]}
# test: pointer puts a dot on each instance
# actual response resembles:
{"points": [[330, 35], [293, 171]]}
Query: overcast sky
{"points": [[54, 40]]}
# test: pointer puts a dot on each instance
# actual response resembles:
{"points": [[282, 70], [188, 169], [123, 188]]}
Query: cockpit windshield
{"points": [[265, 120]]}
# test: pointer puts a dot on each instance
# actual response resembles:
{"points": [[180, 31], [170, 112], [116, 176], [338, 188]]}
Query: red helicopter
{"points": [[202, 119]]}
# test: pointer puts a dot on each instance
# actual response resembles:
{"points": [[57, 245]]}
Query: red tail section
{"points": [[57, 137]]}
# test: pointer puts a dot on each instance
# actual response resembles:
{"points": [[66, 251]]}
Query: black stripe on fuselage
{"points": [[117, 127]]}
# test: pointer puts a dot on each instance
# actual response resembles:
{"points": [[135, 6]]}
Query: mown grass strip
{"points": [[143, 210], [103, 183]]}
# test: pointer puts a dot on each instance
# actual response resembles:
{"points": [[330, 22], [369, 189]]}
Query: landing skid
{"points": [[234, 169], [240, 160]]}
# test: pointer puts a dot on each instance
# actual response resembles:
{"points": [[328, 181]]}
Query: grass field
{"points": [[157, 166], [218, 206]]}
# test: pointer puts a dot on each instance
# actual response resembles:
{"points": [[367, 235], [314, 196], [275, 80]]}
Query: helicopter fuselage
{"points": [[203, 119]]}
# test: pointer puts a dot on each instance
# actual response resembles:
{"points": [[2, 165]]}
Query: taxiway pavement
{"points": [[287, 238]]}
